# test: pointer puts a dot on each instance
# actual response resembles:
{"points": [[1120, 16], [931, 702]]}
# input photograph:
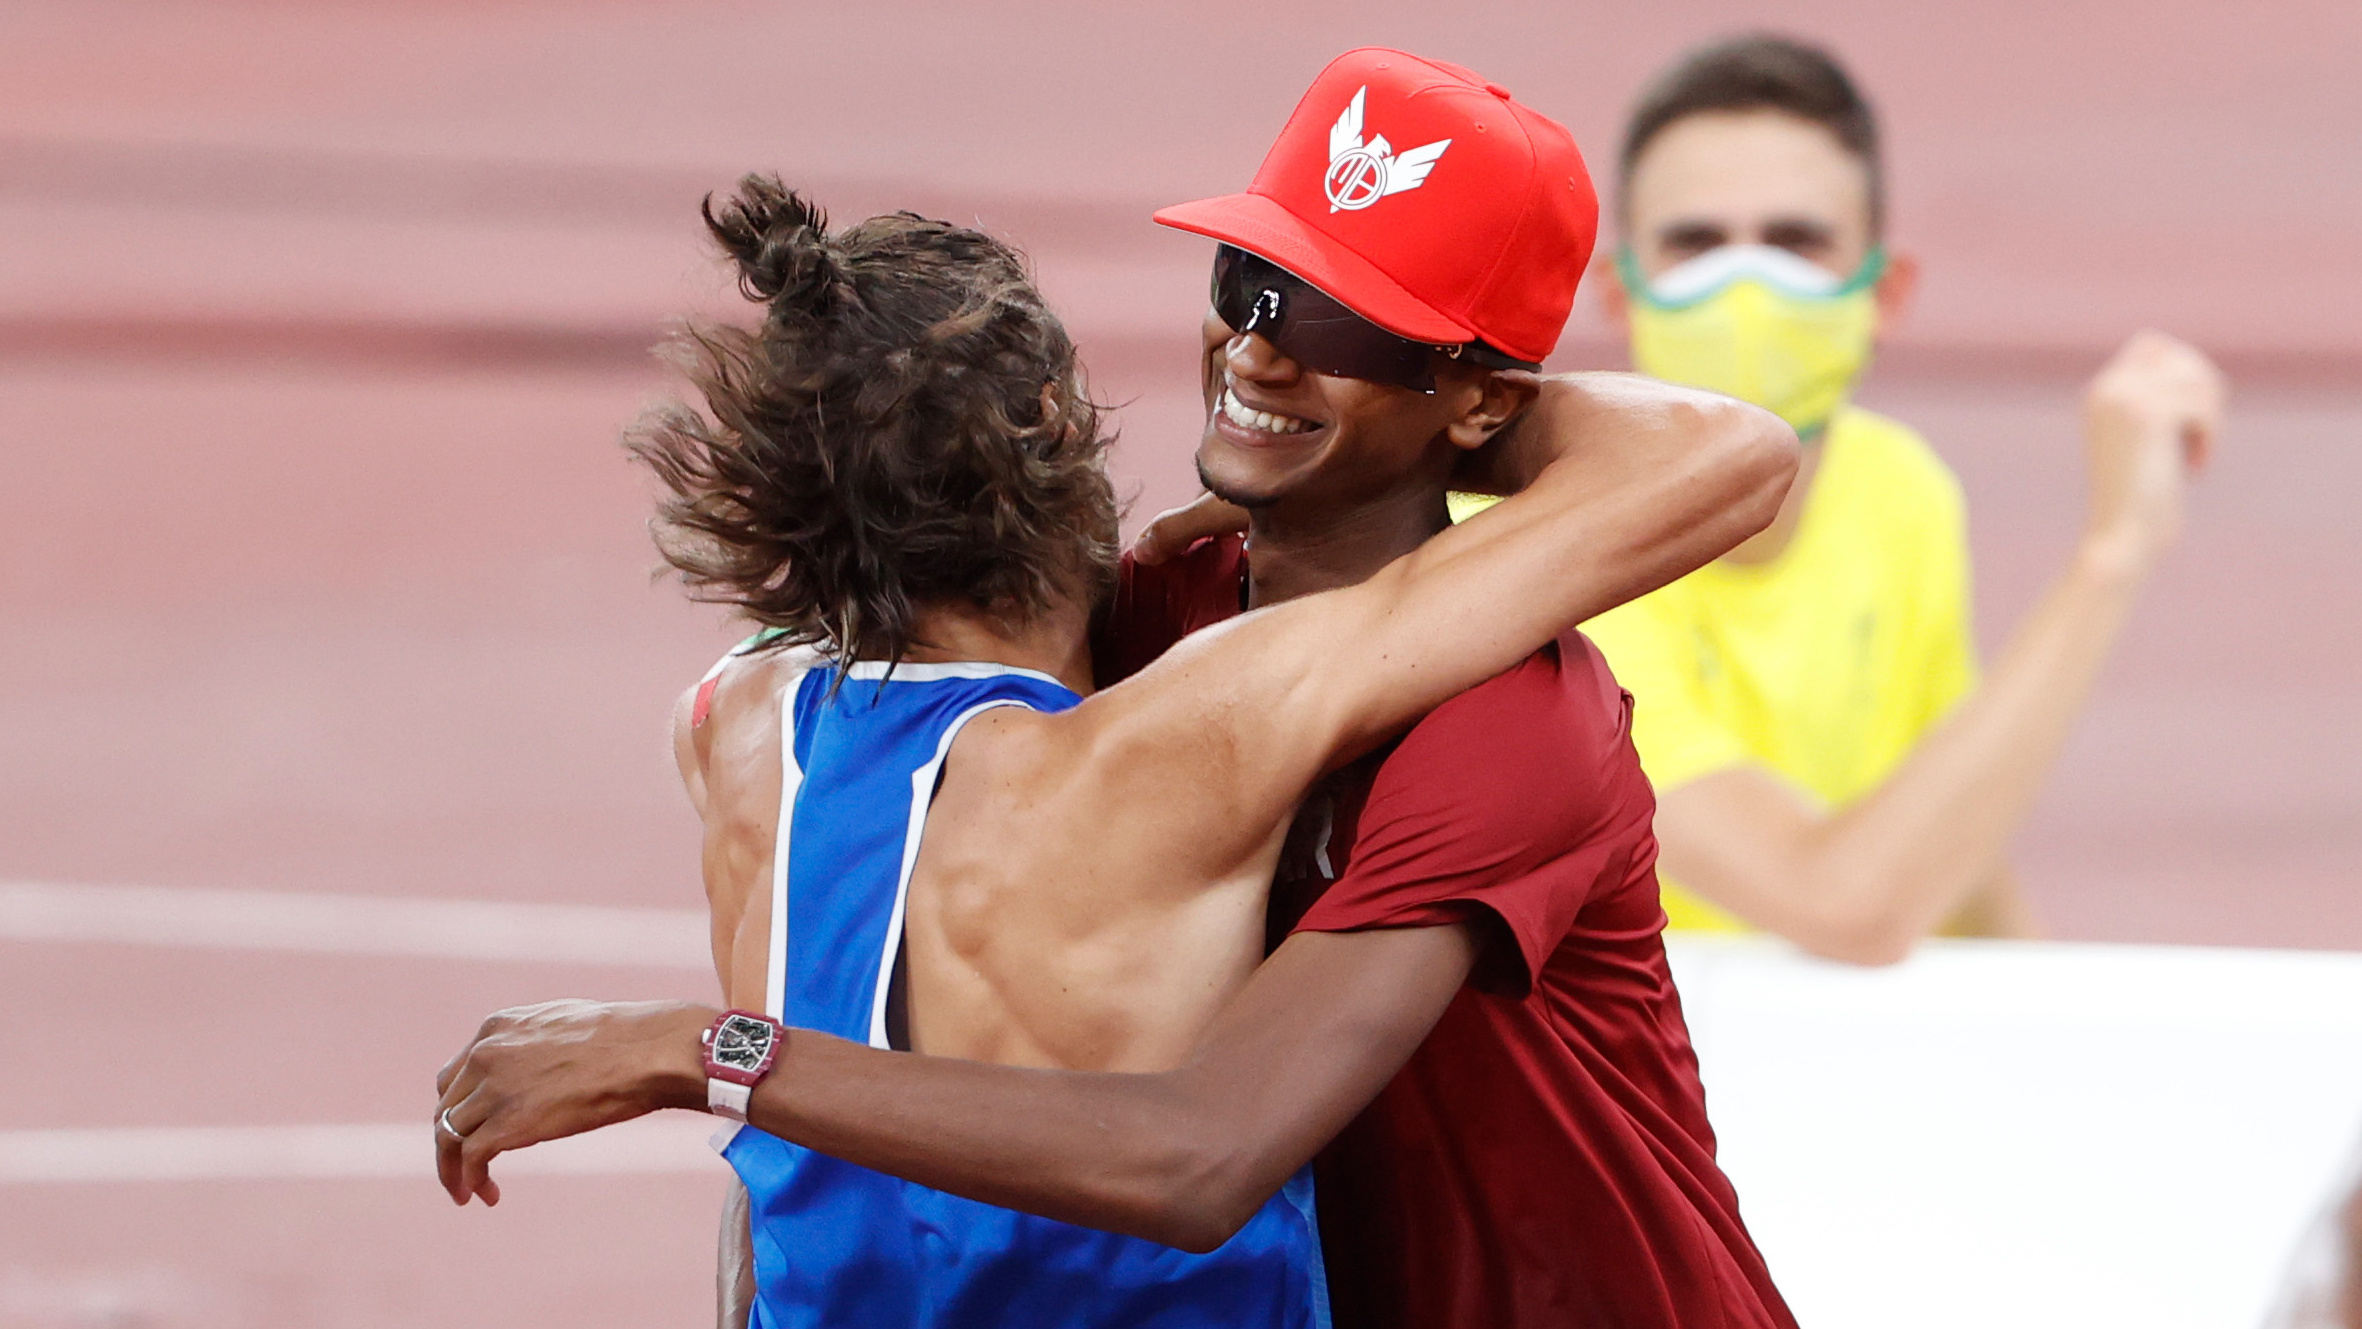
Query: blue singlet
{"points": [[837, 1245]]}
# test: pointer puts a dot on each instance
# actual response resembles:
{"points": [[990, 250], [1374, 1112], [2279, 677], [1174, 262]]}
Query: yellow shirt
{"points": [[1825, 664]]}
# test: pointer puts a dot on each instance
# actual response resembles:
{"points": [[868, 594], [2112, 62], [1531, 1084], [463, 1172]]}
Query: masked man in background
{"points": [[1828, 765]]}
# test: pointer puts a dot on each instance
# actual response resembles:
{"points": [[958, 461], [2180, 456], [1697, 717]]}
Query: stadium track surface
{"points": [[320, 572]]}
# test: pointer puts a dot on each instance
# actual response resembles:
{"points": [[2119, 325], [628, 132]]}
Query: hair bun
{"points": [[780, 241]]}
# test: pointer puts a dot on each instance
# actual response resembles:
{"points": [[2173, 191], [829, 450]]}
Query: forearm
{"points": [[1574, 414], [1901, 860], [1102, 1150], [1865, 883], [1183, 1157], [1551, 429], [1646, 481], [1657, 482]]}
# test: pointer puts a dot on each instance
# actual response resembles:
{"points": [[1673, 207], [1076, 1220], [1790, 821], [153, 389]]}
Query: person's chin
{"points": [[1241, 485], [1257, 469]]}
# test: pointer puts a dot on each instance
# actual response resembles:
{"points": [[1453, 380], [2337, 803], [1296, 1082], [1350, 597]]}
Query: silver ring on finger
{"points": [[443, 1120]]}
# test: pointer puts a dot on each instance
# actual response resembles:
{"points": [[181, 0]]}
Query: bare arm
{"points": [[1628, 484], [725, 905], [1183, 1156], [1635, 483], [735, 856], [731, 768], [1866, 882]]}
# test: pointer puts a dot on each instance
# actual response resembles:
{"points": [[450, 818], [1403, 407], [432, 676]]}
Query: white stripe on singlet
{"points": [[922, 793], [876, 671], [791, 783]]}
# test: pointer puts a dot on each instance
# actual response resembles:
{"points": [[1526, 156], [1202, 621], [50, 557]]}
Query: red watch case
{"points": [[743, 1028]]}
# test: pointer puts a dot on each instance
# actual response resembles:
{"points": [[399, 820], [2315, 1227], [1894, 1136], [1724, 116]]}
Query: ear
{"points": [[1607, 285], [1897, 287], [1505, 393]]}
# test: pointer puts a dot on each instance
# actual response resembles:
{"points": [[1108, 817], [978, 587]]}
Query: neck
{"points": [[1297, 549], [1057, 642]]}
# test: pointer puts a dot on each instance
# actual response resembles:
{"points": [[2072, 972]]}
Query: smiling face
{"points": [[1756, 177], [1278, 432]]}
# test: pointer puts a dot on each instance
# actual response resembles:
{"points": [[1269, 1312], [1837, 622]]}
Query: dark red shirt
{"points": [[1544, 1158]]}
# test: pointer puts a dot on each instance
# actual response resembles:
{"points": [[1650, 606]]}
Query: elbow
{"points": [[1866, 936], [1758, 454], [1870, 951], [1199, 1199], [1200, 1230]]}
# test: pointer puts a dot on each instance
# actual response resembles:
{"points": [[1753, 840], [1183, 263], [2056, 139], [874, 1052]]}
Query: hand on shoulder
{"points": [[1170, 533]]}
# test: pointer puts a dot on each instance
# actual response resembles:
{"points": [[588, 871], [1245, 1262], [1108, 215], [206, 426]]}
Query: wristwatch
{"points": [[739, 1050]]}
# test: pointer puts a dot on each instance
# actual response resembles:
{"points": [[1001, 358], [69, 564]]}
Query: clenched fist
{"points": [[2150, 420]]}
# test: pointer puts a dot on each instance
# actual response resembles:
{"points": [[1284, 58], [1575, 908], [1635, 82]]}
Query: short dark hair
{"points": [[908, 426], [1762, 72]]}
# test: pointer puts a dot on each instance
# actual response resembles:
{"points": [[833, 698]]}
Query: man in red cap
{"points": [[1467, 1002], [1543, 1157]]}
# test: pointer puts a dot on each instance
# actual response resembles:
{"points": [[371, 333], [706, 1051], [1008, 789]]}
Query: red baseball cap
{"points": [[1425, 198]]}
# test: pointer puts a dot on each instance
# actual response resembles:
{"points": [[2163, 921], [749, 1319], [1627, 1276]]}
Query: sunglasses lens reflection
{"points": [[1311, 327]]}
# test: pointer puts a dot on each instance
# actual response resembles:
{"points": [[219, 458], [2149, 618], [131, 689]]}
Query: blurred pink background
{"points": [[320, 568]]}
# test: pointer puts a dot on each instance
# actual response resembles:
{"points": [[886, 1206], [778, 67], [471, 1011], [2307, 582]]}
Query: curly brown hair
{"points": [[908, 426]]}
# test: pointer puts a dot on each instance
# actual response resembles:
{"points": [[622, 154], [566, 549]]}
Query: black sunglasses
{"points": [[1316, 330]]}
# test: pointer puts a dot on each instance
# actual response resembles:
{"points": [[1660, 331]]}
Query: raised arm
{"points": [[1866, 882], [1632, 484], [1618, 484]]}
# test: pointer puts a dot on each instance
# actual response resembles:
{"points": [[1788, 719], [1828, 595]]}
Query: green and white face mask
{"points": [[1757, 323]]}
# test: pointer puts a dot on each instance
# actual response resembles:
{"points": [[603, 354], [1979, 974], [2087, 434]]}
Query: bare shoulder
{"points": [[726, 726], [1015, 754], [727, 735], [1074, 769], [752, 684]]}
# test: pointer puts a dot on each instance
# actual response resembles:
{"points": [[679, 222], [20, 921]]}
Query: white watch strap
{"points": [[724, 1099]]}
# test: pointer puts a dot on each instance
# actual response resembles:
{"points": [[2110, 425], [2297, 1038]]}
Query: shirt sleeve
{"points": [[1499, 806], [1663, 663]]}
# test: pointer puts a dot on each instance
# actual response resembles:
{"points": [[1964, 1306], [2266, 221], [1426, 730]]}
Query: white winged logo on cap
{"points": [[1362, 173]]}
